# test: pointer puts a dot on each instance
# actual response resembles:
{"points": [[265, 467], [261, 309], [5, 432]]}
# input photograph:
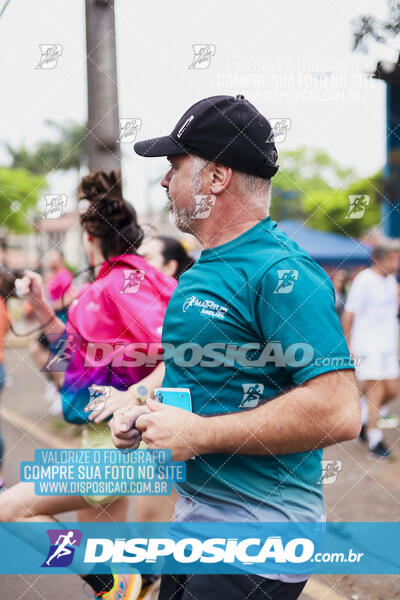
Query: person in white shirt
{"points": [[370, 325]]}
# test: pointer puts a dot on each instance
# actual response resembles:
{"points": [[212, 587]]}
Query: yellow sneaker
{"points": [[126, 587]]}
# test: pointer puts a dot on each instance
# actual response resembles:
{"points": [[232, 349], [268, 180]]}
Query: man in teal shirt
{"points": [[252, 331]]}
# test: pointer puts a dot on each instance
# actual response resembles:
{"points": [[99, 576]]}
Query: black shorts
{"points": [[229, 587]]}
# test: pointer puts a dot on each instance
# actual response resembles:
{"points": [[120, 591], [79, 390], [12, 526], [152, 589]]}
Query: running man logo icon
{"points": [[357, 205], [132, 280], [279, 130], [203, 54], [97, 399], [252, 393], [203, 205], [330, 470], [55, 204], [50, 53], [128, 129], [61, 353], [62, 547], [286, 280]]}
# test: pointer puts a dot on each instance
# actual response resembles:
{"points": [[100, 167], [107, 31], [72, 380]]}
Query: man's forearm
{"points": [[298, 421]]}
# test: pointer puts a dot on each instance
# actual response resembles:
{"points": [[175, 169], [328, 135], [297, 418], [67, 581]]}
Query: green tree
{"points": [[329, 211], [311, 167], [303, 172], [310, 185], [68, 152], [367, 27], [25, 181], [19, 194]]}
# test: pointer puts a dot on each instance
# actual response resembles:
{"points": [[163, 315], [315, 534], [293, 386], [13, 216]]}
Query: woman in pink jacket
{"points": [[111, 323]]}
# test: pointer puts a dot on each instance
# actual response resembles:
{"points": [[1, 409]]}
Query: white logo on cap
{"points": [[186, 123]]}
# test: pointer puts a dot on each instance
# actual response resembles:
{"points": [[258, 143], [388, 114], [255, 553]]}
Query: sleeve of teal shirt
{"points": [[295, 308]]}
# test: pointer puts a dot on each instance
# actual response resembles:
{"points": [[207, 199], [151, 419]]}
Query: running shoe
{"points": [[380, 451], [388, 422], [126, 587], [363, 437]]}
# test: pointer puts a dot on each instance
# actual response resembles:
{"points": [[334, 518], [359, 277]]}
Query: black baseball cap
{"points": [[223, 129]]}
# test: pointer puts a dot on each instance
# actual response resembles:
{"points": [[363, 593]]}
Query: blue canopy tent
{"points": [[330, 249]]}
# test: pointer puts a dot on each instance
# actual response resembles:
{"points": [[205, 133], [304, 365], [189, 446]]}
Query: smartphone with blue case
{"points": [[178, 397]]}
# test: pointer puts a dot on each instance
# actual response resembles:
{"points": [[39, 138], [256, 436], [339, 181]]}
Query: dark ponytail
{"points": [[173, 250], [107, 216]]}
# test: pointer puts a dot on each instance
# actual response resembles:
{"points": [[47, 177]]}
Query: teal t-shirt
{"points": [[249, 321]]}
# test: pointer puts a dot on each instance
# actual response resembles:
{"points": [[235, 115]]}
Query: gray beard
{"points": [[182, 218]]}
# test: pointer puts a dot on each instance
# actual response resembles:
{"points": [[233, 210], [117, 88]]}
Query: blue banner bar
{"points": [[206, 547]]}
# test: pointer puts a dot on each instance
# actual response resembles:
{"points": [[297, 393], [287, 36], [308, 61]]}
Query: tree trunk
{"points": [[103, 147]]}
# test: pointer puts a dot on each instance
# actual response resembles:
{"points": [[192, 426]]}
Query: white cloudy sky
{"points": [[291, 59]]}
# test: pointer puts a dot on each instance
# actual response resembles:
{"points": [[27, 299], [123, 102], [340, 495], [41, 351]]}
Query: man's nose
{"points": [[165, 180]]}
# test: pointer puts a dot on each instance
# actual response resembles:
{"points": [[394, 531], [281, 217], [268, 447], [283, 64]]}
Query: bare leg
{"points": [[374, 392], [20, 503], [116, 510], [155, 508], [391, 390]]}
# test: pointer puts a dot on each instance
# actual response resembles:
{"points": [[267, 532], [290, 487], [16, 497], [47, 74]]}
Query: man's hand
{"points": [[123, 427], [172, 428]]}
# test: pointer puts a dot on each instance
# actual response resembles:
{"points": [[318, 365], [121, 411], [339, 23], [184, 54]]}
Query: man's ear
{"points": [[221, 178]]}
